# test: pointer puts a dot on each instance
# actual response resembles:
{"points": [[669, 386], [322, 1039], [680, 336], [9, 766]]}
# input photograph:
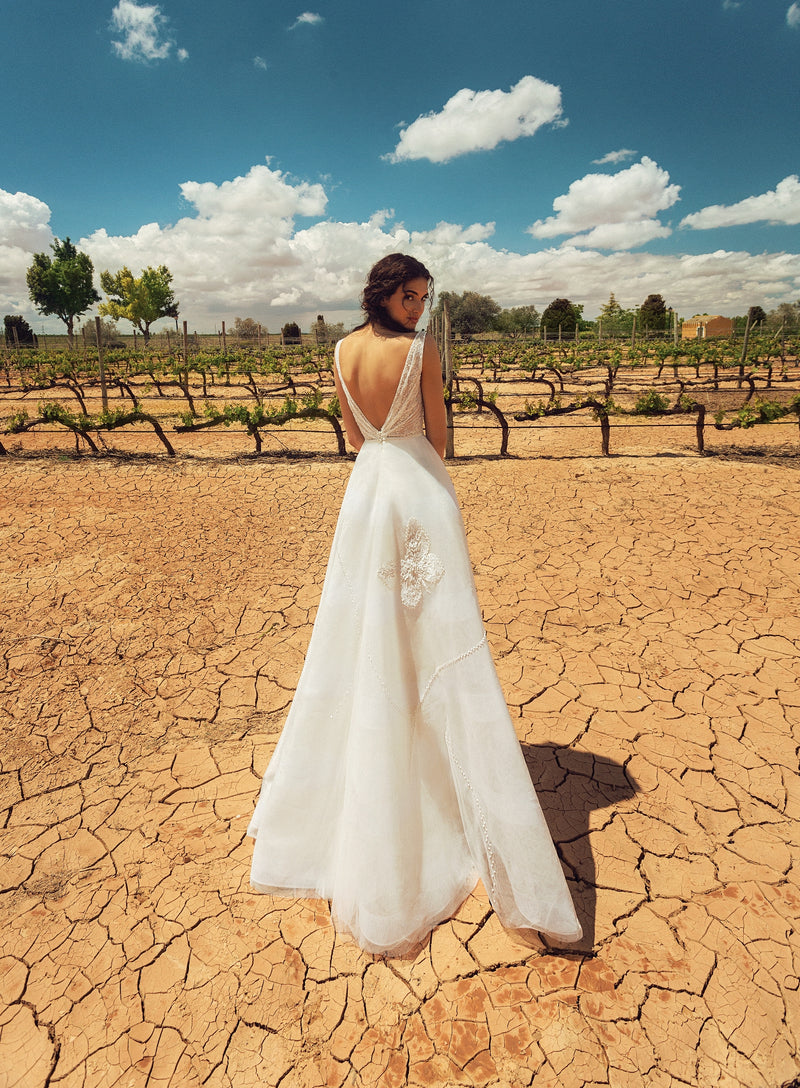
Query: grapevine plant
{"points": [[270, 387]]}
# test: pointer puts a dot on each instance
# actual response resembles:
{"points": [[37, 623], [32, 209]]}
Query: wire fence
{"points": [[620, 396]]}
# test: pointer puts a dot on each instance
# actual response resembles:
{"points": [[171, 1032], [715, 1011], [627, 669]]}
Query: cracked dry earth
{"points": [[643, 612]]}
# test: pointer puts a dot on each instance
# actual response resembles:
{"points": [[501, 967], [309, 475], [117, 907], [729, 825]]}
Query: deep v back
{"points": [[405, 416]]}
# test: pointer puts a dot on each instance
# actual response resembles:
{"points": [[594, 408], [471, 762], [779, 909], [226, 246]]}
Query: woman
{"points": [[398, 780]]}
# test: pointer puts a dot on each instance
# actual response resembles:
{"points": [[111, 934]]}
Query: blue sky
{"points": [[268, 153]]}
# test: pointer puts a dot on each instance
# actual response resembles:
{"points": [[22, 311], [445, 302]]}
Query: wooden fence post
{"points": [[700, 423], [185, 344], [448, 372], [98, 331], [743, 358]]}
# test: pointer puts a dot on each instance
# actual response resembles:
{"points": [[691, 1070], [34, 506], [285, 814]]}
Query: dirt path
{"points": [[644, 616]]}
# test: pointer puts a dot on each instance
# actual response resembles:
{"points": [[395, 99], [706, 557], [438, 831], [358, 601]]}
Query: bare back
{"points": [[371, 366]]}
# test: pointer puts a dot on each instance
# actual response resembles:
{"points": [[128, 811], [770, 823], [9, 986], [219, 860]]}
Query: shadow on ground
{"points": [[571, 785]]}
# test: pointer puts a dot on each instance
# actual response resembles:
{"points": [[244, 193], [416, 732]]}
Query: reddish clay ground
{"points": [[643, 611]]}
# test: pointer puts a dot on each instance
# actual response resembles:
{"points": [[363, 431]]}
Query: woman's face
{"points": [[407, 304]]}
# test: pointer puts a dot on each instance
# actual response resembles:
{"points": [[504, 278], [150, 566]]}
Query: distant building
{"points": [[702, 326]]}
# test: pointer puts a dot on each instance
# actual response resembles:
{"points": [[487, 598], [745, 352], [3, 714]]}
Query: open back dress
{"points": [[398, 779]]}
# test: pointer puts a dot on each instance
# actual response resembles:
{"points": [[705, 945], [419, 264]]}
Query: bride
{"points": [[398, 780]]}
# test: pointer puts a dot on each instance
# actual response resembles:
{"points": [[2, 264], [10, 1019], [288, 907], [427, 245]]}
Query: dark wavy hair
{"points": [[383, 279]]}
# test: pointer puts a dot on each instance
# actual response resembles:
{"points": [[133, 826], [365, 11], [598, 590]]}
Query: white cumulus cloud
{"points": [[793, 16], [779, 205], [308, 18], [615, 157], [24, 230], [145, 32], [612, 211], [479, 121], [24, 222], [262, 245], [235, 244]]}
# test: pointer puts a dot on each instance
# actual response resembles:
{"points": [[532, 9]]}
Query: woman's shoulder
{"points": [[367, 339], [352, 343], [356, 334], [430, 346]]}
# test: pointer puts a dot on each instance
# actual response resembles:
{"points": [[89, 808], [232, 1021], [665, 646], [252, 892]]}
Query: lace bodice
{"points": [[405, 417]]}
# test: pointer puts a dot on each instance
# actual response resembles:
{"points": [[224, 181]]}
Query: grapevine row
{"points": [[266, 389]]}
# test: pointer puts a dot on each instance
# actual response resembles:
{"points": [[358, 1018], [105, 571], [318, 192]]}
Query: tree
{"points": [[653, 314], [469, 313], [140, 301], [324, 333], [108, 330], [786, 316], [756, 315], [62, 284], [563, 314], [246, 328], [25, 336], [518, 321], [291, 333], [614, 321]]}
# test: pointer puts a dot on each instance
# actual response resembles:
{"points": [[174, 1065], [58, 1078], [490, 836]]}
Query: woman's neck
{"points": [[387, 326]]}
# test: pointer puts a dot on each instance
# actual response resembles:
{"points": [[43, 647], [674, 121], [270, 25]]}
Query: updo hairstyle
{"points": [[383, 279]]}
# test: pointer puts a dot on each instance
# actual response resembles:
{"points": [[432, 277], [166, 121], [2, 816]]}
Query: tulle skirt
{"points": [[398, 779]]}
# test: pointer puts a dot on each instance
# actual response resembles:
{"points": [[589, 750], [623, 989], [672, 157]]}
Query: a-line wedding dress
{"points": [[398, 779]]}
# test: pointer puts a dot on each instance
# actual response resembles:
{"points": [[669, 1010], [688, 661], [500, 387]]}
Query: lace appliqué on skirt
{"points": [[420, 568]]}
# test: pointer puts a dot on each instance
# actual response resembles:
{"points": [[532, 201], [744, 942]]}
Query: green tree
{"points": [[470, 312], [787, 315], [756, 315], [653, 316], [291, 333], [614, 320], [518, 321], [563, 314], [25, 336], [62, 285], [140, 301]]}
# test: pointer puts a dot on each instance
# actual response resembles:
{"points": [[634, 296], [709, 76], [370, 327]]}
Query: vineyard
{"points": [[507, 397]]}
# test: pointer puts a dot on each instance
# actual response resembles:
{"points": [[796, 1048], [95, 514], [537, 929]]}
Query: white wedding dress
{"points": [[398, 780]]}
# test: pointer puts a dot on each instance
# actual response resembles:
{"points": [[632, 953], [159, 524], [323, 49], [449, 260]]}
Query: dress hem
{"points": [[422, 933]]}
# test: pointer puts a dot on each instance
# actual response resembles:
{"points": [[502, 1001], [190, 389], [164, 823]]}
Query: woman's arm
{"points": [[433, 397], [354, 435]]}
